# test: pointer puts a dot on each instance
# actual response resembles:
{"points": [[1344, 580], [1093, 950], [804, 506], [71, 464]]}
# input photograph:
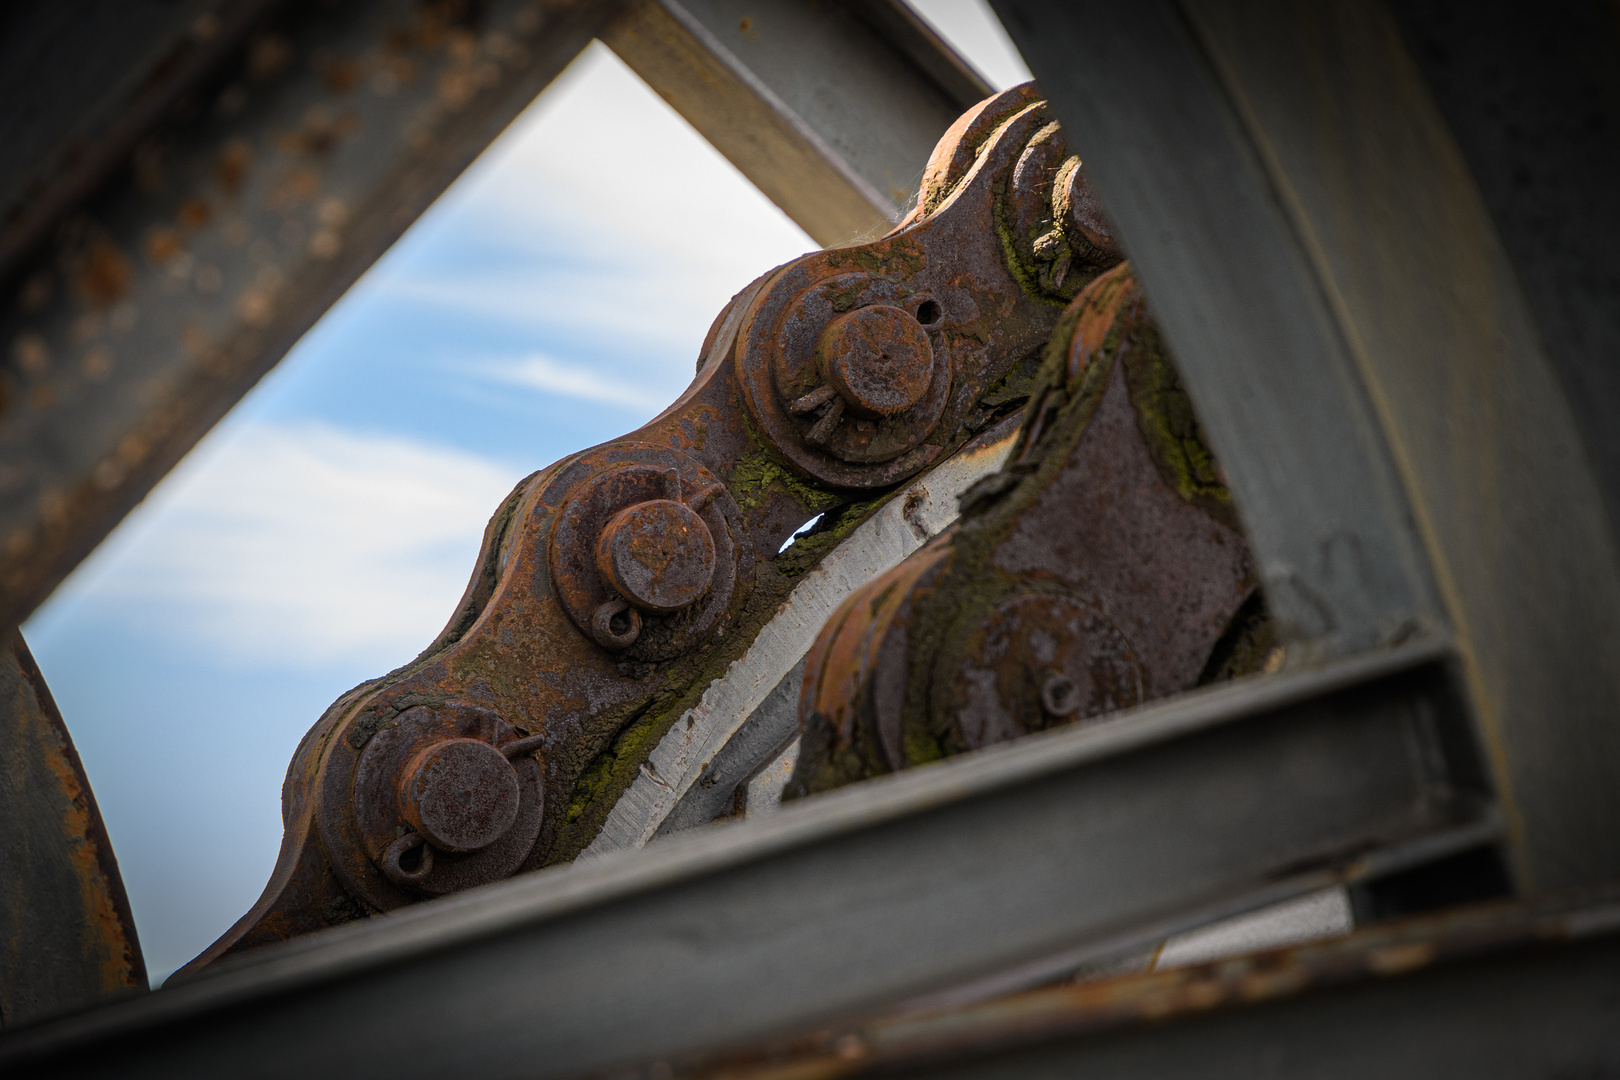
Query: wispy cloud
{"points": [[605, 306], [301, 544], [541, 373]]}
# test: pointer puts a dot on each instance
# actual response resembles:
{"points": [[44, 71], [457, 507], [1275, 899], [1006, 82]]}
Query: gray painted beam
{"points": [[1094, 838], [1525, 1015], [1255, 338], [1359, 347], [1471, 402], [1532, 96], [1491, 991], [761, 739], [831, 109]]}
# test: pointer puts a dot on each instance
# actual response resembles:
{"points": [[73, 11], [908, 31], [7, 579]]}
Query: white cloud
{"points": [[626, 309], [621, 216], [537, 372], [302, 545], [604, 161]]}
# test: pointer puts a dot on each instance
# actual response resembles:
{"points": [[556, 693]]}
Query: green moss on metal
{"points": [[1249, 644], [842, 298], [1028, 280], [901, 257], [756, 473], [1164, 414], [808, 550], [615, 767]]}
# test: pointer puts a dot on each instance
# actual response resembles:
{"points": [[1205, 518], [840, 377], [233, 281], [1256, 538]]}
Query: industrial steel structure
{"points": [[1382, 241]]}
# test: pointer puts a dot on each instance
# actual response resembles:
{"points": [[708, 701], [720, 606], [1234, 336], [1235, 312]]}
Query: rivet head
{"points": [[460, 794], [658, 555], [1060, 696], [878, 359]]}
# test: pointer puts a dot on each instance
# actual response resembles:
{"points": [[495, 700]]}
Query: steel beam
{"points": [[82, 81], [1529, 1014], [1502, 990], [830, 109], [1088, 840], [1532, 98], [1364, 360]]}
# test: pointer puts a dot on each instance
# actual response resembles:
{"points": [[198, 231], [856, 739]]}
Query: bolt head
{"points": [[658, 555], [460, 795], [878, 359]]}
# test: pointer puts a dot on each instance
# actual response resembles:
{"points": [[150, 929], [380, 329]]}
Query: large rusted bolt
{"points": [[877, 359], [658, 555], [460, 794]]}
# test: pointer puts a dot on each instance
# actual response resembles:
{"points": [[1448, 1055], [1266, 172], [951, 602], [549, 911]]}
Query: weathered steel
{"points": [[1089, 839], [616, 585], [1531, 95], [271, 183], [1251, 145], [1102, 567], [1505, 990], [831, 109], [67, 940], [751, 713]]}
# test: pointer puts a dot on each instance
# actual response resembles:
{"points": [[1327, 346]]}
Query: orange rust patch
{"points": [[103, 273], [194, 213], [232, 166], [162, 244], [1397, 959]]}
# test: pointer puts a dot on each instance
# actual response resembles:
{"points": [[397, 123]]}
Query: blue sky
{"points": [[553, 298]]}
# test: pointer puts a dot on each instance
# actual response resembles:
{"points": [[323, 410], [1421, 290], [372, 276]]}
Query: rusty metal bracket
{"points": [[616, 585], [1101, 568], [67, 936]]}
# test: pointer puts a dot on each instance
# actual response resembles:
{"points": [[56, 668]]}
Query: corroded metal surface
{"points": [[616, 585], [67, 938], [718, 738], [1101, 568]]}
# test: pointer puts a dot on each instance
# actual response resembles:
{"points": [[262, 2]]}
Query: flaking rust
{"points": [[1101, 568], [616, 584]]}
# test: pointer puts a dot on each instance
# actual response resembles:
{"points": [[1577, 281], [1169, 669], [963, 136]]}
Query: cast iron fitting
{"points": [[877, 359], [658, 555], [461, 795]]}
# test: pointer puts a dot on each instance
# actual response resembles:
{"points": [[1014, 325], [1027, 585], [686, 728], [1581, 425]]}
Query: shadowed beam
{"points": [[830, 109]]}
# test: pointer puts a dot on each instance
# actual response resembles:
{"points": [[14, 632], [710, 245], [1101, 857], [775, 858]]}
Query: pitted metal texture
{"points": [[1103, 567]]}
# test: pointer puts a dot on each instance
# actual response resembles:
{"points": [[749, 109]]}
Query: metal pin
{"points": [[812, 401], [824, 428]]}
